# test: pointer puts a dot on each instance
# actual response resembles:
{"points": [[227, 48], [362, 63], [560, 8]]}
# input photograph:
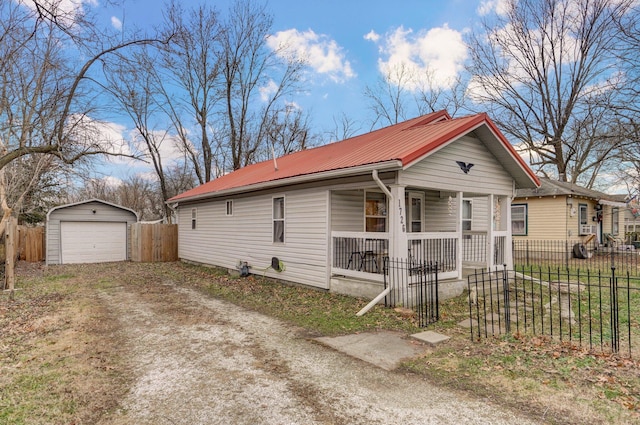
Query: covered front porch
{"points": [[458, 231]]}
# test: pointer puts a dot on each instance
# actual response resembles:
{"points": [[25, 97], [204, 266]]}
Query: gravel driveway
{"points": [[197, 360]]}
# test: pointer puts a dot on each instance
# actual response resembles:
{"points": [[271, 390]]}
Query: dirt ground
{"points": [[159, 352], [197, 360]]}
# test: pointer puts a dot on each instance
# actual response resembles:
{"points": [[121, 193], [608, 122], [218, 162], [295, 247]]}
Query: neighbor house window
{"points": [[467, 214], [519, 219], [229, 207], [614, 220], [583, 214], [278, 220], [194, 217], [375, 212]]}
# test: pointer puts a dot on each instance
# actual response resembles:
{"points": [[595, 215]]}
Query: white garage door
{"points": [[92, 242]]}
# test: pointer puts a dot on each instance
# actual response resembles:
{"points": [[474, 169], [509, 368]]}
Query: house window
{"points": [[278, 220], [519, 220], [614, 220], [583, 214], [467, 214], [229, 207], [194, 217], [415, 211], [375, 212]]}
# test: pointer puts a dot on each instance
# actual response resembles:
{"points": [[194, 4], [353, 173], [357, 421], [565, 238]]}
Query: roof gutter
{"points": [[612, 203], [387, 165], [387, 290]]}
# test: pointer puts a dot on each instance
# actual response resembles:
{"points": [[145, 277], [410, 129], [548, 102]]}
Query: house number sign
{"points": [[401, 215]]}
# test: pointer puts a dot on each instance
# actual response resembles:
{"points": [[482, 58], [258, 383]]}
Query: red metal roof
{"points": [[404, 142]]}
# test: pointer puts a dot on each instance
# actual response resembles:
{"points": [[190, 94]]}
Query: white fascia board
{"points": [[344, 172]]}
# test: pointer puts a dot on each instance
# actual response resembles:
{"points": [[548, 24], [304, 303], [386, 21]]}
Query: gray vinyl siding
{"points": [[438, 217], [82, 212], [440, 170], [246, 235], [347, 211], [479, 215]]}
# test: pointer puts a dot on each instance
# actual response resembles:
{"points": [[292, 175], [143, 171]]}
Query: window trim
{"points": [[229, 207], [385, 214], [409, 208], [615, 220], [194, 218], [274, 219], [470, 219], [526, 219], [584, 207]]}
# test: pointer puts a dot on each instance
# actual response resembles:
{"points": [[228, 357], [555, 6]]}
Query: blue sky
{"points": [[348, 45]]}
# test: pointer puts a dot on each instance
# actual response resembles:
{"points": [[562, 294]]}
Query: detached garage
{"points": [[92, 231]]}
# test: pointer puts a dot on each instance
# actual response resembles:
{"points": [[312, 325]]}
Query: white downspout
{"points": [[386, 292]]}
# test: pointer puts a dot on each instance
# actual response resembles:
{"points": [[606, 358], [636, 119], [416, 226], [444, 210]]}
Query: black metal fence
{"points": [[577, 255], [594, 310], [414, 284]]}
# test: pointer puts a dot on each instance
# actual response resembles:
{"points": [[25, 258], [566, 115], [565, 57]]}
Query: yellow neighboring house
{"points": [[565, 211]]}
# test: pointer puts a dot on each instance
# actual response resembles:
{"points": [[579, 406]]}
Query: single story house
{"points": [[561, 211], [92, 231], [632, 219], [431, 188]]}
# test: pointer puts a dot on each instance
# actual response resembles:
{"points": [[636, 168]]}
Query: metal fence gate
{"points": [[414, 284]]}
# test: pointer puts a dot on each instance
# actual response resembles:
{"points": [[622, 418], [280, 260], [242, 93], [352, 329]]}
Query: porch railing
{"points": [[474, 247], [360, 254], [500, 248], [441, 248]]}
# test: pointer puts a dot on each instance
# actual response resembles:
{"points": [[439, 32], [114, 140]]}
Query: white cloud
{"points": [[116, 23], [169, 146], [268, 90], [499, 7], [64, 10], [434, 57], [372, 36], [321, 53]]}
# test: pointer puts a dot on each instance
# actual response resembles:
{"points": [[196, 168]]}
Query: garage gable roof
{"points": [[395, 147], [59, 207]]}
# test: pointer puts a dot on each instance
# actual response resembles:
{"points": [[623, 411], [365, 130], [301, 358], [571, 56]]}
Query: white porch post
{"points": [[460, 203], [397, 223], [490, 233], [508, 249]]}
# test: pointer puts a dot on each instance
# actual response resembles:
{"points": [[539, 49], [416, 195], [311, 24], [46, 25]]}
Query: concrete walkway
{"points": [[384, 349]]}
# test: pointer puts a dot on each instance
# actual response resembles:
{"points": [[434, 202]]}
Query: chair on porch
{"points": [[364, 256]]}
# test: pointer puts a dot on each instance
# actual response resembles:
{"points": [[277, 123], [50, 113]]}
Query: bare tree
{"points": [[192, 59], [402, 92], [432, 96], [255, 82], [137, 87], [288, 131], [47, 100], [344, 128], [544, 72], [389, 97]]}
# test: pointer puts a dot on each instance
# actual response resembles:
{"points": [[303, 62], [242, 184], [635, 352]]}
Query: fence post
{"points": [[506, 304], [615, 323]]}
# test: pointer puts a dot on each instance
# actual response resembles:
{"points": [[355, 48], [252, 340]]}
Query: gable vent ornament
{"points": [[465, 167]]}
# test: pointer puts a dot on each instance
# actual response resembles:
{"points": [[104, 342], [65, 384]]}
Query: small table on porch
{"points": [[363, 258]]}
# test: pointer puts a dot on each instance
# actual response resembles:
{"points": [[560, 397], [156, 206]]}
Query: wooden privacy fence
{"points": [[31, 244], [154, 242]]}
